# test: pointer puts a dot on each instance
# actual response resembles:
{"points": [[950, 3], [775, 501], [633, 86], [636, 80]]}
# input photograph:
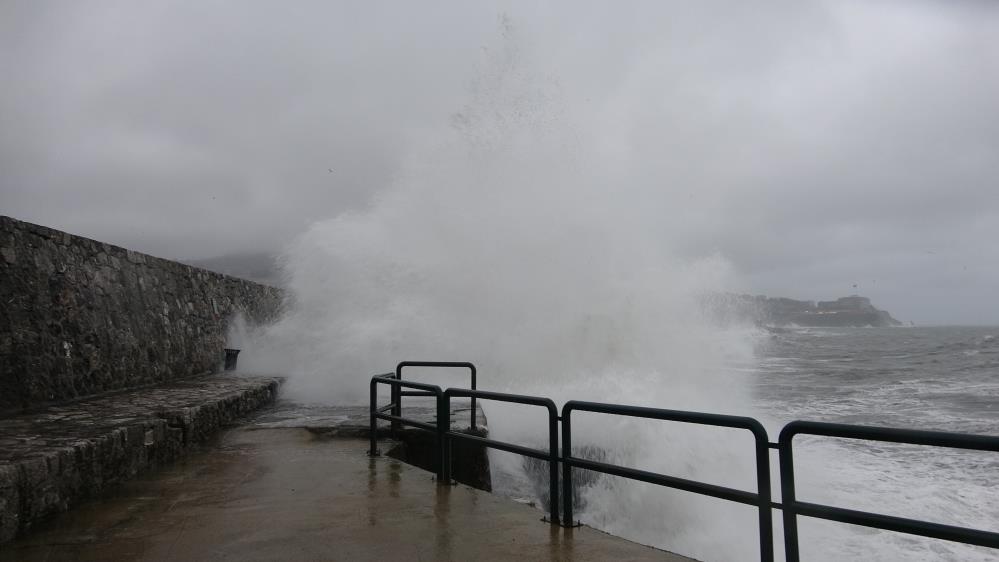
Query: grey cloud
{"points": [[818, 145]]}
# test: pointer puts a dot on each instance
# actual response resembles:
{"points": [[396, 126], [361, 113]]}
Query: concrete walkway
{"points": [[292, 494]]}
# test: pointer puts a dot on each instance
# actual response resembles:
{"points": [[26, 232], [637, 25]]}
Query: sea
{"points": [[932, 378]]}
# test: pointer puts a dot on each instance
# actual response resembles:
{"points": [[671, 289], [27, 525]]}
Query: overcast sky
{"points": [[824, 148]]}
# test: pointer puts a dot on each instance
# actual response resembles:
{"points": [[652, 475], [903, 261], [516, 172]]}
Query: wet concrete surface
{"points": [[354, 421], [293, 494]]}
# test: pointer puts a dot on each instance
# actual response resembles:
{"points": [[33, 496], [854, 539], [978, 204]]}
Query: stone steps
{"points": [[53, 458]]}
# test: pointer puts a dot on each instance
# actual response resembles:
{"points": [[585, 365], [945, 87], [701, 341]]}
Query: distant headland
{"points": [[851, 311]]}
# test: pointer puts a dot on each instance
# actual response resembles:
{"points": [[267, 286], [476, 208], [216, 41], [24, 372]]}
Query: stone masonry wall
{"points": [[80, 317]]}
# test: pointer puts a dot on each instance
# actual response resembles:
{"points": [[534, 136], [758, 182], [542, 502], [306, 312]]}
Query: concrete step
{"points": [[56, 457]]}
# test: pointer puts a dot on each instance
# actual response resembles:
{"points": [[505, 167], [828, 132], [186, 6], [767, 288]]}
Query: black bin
{"points": [[230, 359]]}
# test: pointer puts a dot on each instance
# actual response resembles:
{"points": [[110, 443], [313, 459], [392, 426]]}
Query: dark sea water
{"points": [[934, 378], [939, 378]]}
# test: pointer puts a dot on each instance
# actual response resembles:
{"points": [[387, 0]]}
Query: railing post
{"points": [[474, 410], [764, 493], [396, 402], [373, 451], [553, 462], [787, 498], [443, 443], [566, 467]]}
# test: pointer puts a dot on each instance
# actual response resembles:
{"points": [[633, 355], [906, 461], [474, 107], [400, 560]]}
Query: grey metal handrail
{"points": [[790, 506]]}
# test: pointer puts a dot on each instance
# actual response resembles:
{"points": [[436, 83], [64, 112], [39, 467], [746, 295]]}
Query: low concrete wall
{"points": [[54, 459], [81, 317], [470, 464]]}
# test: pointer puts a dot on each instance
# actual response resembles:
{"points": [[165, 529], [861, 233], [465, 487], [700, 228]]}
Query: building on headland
{"points": [[852, 302], [851, 311]]}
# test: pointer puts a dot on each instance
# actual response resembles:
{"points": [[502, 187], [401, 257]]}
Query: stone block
{"points": [[10, 502]]}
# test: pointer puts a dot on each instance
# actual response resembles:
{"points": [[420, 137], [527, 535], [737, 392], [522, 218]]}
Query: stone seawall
{"points": [[80, 317]]}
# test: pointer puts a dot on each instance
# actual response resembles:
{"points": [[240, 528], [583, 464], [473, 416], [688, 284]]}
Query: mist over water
{"points": [[527, 239], [548, 244], [515, 239]]}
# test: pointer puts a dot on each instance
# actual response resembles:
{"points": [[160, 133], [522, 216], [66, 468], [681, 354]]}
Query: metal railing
{"points": [[551, 455], [761, 499], [377, 413], [398, 393], [792, 507]]}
